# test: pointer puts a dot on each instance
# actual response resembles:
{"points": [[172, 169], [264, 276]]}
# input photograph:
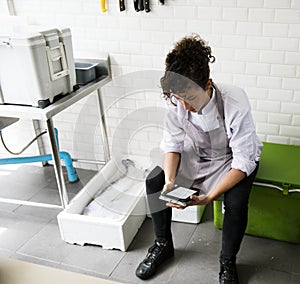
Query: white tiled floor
{"points": [[32, 234]]}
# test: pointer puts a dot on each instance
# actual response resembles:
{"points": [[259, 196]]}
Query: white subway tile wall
{"points": [[256, 44]]}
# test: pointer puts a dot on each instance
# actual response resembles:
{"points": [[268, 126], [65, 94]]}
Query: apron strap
{"points": [[219, 101]]}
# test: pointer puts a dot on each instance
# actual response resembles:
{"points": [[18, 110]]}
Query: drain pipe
{"points": [[65, 156]]}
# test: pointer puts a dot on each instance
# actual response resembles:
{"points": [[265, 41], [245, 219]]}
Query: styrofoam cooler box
{"points": [[114, 210], [191, 214], [37, 65]]}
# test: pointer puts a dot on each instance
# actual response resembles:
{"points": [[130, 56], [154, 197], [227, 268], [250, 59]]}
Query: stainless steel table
{"points": [[46, 115]]}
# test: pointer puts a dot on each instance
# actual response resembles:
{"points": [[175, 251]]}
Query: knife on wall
{"points": [[141, 5], [147, 6], [122, 5], [136, 5], [102, 5]]}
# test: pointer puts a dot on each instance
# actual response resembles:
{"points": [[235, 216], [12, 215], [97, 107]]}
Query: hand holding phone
{"points": [[178, 195]]}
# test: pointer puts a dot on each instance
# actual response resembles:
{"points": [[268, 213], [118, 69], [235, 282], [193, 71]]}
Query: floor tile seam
{"points": [[127, 282], [9, 211], [61, 265], [5, 250], [291, 279], [282, 270], [263, 267], [295, 273], [38, 218], [30, 239], [80, 270], [41, 192], [29, 198], [116, 279], [41, 261], [189, 238], [117, 264], [168, 281]]}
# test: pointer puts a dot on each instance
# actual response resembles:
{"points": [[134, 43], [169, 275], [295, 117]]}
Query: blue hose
{"points": [[65, 156]]}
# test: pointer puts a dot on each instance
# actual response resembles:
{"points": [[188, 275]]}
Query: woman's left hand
{"points": [[202, 199]]}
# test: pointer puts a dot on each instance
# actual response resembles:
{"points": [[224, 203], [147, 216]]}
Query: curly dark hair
{"points": [[187, 65]]}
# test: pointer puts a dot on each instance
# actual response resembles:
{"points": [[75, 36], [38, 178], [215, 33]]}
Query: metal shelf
{"points": [[37, 114]]}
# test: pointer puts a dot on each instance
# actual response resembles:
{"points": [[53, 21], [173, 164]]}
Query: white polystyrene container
{"points": [[111, 230], [36, 65], [191, 214]]}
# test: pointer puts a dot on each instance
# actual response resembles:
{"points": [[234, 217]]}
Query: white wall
{"points": [[256, 44]]}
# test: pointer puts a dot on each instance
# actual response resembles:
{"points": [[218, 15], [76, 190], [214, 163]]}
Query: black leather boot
{"points": [[158, 253], [228, 273]]}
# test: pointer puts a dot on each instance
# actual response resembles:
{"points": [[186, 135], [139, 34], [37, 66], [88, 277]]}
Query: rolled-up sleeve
{"points": [[173, 133], [243, 141]]}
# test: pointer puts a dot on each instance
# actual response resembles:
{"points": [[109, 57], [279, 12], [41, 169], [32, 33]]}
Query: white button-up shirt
{"points": [[239, 126]]}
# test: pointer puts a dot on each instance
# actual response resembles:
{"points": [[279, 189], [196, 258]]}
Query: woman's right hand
{"points": [[168, 185]]}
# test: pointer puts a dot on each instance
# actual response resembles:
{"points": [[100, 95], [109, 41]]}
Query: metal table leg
{"points": [[57, 165], [103, 128]]}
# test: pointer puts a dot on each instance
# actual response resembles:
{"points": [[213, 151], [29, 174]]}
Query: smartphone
{"points": [[179, 195]]}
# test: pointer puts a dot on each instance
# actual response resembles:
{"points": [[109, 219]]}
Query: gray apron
{"points": [[206, 156]]}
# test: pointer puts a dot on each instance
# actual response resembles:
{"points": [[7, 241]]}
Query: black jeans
{"points": [[235, 217]]}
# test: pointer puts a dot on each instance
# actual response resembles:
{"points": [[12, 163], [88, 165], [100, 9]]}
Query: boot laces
{"points": [[228, 272], [155, 251]]}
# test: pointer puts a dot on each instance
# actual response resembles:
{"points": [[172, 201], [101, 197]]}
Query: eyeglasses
{"points": [[187, 98], [173, 100], [169, 97]]}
